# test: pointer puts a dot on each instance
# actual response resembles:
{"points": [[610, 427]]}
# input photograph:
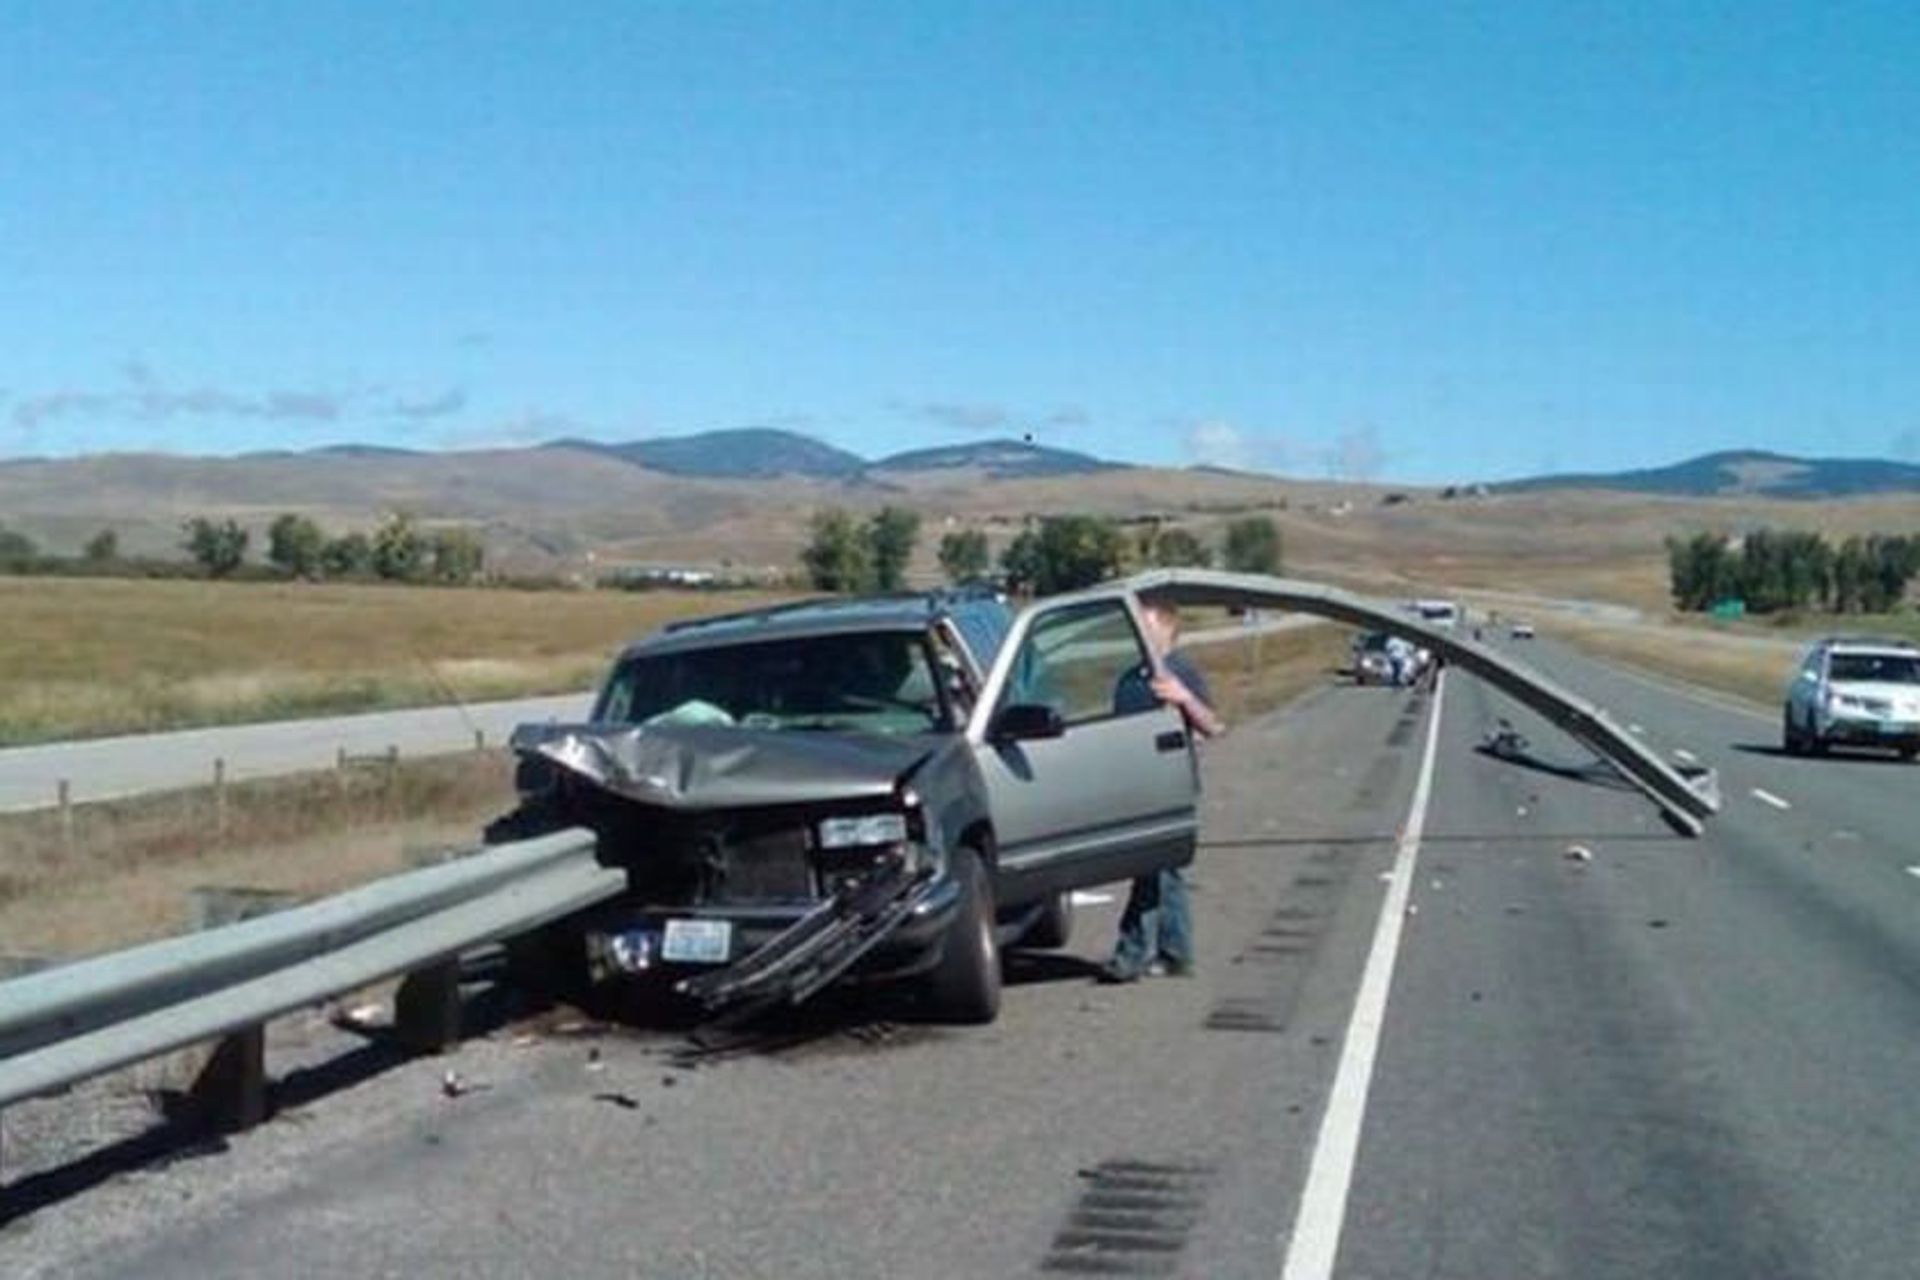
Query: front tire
{"points": [[1790, 739], [964, 987]]}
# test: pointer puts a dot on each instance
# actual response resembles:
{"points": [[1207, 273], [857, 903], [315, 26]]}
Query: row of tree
{"points": [[398, 550], [1058, 553], [1771, 571]]}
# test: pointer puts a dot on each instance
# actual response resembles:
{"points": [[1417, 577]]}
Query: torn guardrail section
{"points": [[1685, 799]]}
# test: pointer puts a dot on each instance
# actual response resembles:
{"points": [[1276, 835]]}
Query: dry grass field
{"points": [[307, 834], [93, 656]]}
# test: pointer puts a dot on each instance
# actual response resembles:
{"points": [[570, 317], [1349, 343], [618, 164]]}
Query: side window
{"points": [[1085, 662]]}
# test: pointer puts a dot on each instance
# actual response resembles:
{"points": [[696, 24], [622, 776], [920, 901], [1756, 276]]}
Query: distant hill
{"points": [[746, 453], [1742, 473], [998, 460]]}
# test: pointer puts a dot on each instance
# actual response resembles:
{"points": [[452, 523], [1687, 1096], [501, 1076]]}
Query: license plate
{"points": [[697, 941]]}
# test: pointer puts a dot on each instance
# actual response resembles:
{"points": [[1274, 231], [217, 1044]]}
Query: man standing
{"points": [[1156, 929]]}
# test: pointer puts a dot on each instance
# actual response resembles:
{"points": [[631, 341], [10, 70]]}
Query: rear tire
{"points": [[1054, 926], [964, 986]]}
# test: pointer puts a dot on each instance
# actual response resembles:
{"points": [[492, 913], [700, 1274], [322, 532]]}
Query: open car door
{"points": [[1090, 778]]}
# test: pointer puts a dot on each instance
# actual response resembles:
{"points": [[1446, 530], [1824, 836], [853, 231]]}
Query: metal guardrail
{"points": [[1686, 797], [66, 1024]]}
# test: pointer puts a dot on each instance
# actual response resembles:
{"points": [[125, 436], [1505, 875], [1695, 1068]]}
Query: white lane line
{"points": [[1913, 871], [1087, 898], [1634, 728], [1315, 1241], [1685, 756], [1767, 797]]}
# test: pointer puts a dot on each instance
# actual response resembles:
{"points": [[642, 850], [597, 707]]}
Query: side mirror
{"points": [[1025, 721]]}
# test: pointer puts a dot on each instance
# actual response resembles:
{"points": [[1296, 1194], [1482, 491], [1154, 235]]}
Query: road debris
{"points": [[594, 1061], [1579, 853], [625, 1101]]}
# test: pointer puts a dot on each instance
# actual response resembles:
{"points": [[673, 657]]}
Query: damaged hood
{"points": [[703, 767]]}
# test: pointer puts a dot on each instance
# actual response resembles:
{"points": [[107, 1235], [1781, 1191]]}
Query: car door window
{"points": [[1086, 662]]}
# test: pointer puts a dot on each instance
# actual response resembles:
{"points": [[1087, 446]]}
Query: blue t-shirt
{"points": [[1135, 692]]}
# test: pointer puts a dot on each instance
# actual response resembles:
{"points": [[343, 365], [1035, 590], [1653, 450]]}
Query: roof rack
{"points": [[768, 613]]}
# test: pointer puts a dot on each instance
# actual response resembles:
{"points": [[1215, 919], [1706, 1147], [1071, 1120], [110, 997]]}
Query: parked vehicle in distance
{"points": [[1520, 629], [1855, 691], [1438, 613], [1382, 658], [882, 788]]}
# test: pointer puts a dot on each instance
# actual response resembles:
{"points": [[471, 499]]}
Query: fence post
{"points": [[220, 799], [66, 817]]}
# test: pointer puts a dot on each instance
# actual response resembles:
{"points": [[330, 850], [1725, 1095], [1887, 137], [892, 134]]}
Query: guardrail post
{"points": [[426, 1009], [230, 1090]]}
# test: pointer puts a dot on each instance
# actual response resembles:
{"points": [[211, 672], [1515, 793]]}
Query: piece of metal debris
{"points": [[625, 1101], [1579, 853]]}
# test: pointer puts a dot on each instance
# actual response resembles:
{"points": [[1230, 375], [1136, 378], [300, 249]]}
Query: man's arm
{"points": [[1175, 687]]}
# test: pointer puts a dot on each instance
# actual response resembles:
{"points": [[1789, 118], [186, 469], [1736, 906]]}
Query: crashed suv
{"points": [[887, 788]]}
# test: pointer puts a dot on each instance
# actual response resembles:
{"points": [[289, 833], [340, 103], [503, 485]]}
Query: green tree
{"points": [[219, 547], [348, 556], [964, 556], [399, 552], [1176, 549], [1064, 554], [890, 535], [294, 546], [102, 548], [837, 553], [458, 556], [17, 550], [1252, 546]]}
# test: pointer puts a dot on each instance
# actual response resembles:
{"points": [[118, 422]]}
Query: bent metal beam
{"points": [[1686, 799]]}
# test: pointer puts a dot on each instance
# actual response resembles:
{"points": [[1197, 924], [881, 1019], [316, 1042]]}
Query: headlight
{"points": [[862, 831]]}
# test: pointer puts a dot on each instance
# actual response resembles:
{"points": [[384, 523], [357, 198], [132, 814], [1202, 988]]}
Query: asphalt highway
{"points": [[1571, 1044]]}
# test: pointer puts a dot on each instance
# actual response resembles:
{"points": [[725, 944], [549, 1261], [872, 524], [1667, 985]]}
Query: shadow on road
{"points": [[1864, 755], [180, 1132], [1595, 772]]}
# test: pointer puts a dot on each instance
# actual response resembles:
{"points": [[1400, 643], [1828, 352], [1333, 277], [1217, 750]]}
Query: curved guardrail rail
{"points": [[1687, 799]]}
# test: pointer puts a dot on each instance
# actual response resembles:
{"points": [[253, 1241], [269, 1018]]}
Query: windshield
{"points": [[879, 682], [1887, 668]]}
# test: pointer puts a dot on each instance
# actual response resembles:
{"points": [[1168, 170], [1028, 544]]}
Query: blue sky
{"points": [[1412, 241]]}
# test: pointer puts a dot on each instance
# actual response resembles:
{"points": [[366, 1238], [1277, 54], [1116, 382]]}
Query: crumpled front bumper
{"points": [[882, 927]]}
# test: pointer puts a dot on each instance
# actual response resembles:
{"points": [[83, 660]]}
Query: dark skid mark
{"points": [[1263, 982], [1132, 1218]]}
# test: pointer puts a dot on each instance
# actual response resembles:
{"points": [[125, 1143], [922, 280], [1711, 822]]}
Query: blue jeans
{"points": [[1156, 925]]}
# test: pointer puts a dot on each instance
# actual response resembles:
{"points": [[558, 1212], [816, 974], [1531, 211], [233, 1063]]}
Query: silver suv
{"points": [[1858, 691], [876, 788]]}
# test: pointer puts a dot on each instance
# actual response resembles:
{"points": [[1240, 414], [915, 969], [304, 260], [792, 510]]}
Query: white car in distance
{"points": [[1855, 691]]}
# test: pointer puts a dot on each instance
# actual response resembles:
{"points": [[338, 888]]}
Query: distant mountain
{"points": [[999, 459], [363, 451], [1742, 473], [744, 453]]}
